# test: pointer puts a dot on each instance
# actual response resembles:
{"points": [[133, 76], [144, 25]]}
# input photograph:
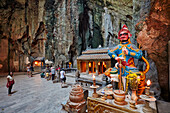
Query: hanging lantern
{"points": [[99, 63], [89, 64]]}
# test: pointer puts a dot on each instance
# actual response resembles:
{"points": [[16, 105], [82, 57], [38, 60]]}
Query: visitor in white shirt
{"points": [[62, 76], [53, 73]]}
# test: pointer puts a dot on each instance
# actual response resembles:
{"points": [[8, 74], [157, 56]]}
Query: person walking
{"points": [[31, 70], [28, 70], [62, 76], [10, 83], [58, 72], [53, 73]]}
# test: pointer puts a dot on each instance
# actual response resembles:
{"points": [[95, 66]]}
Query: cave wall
{"points": [[62, 31], [21, 33], [153, 36], [74, 26], [108, 16]]}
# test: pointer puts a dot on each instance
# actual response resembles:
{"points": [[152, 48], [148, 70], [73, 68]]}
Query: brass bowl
{"points": [[119, 98], [119, 92], [132, 102]]}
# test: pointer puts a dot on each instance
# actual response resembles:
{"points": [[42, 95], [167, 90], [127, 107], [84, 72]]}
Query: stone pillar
{"points": [[108, 64], [97, 70], [78, 65], [87, 67]]}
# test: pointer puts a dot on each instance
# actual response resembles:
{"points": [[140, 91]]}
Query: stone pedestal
{"points": [[87, 67]]}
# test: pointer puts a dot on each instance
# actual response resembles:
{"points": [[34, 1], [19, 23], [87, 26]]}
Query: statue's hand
{"points": [[120, 65], [125, 51], [117, 65], [119, 58]]}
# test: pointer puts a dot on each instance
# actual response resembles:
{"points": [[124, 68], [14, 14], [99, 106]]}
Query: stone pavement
{"points": [[33, 95], [4, 74]]}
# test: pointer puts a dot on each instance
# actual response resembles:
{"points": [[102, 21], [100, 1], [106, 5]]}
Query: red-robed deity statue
{"points": [[125, 71]]}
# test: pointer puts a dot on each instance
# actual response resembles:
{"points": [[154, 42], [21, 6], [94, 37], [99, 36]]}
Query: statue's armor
{"points": [[133, 52]]}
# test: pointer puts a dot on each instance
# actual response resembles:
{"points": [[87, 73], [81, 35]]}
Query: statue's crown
{"points": [[124, 28]]}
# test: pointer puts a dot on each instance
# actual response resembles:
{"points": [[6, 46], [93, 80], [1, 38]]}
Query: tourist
{"points": [[28, 70], [58, 72], [31, 70], [62, 76], [48, 70], [53, 72], [47, 76], [42, 74], [58, 68], [10, 83]]}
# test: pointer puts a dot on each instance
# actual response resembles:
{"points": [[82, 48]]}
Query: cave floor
{"points": [[33, 95]]}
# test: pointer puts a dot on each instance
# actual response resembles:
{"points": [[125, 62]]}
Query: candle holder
{"points": [[95, 95], [147, 89], [94, 82], [94, 86]]}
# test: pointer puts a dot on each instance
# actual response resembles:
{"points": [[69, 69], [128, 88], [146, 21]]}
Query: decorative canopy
{"points": [[95, 51], [95, 54]]}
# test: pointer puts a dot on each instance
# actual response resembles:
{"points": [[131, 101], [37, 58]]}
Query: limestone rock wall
{"points": [[75, 25], [62, 31], [108, 16], [153, 37], [21, 33]]}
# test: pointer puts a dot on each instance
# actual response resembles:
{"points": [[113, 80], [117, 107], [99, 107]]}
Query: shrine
{"points": [[39, 64], [94, 61]]}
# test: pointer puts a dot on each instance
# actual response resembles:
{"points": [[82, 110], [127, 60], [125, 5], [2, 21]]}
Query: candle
{"points": [[147, 87], [148, 83], [94, 81]]}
